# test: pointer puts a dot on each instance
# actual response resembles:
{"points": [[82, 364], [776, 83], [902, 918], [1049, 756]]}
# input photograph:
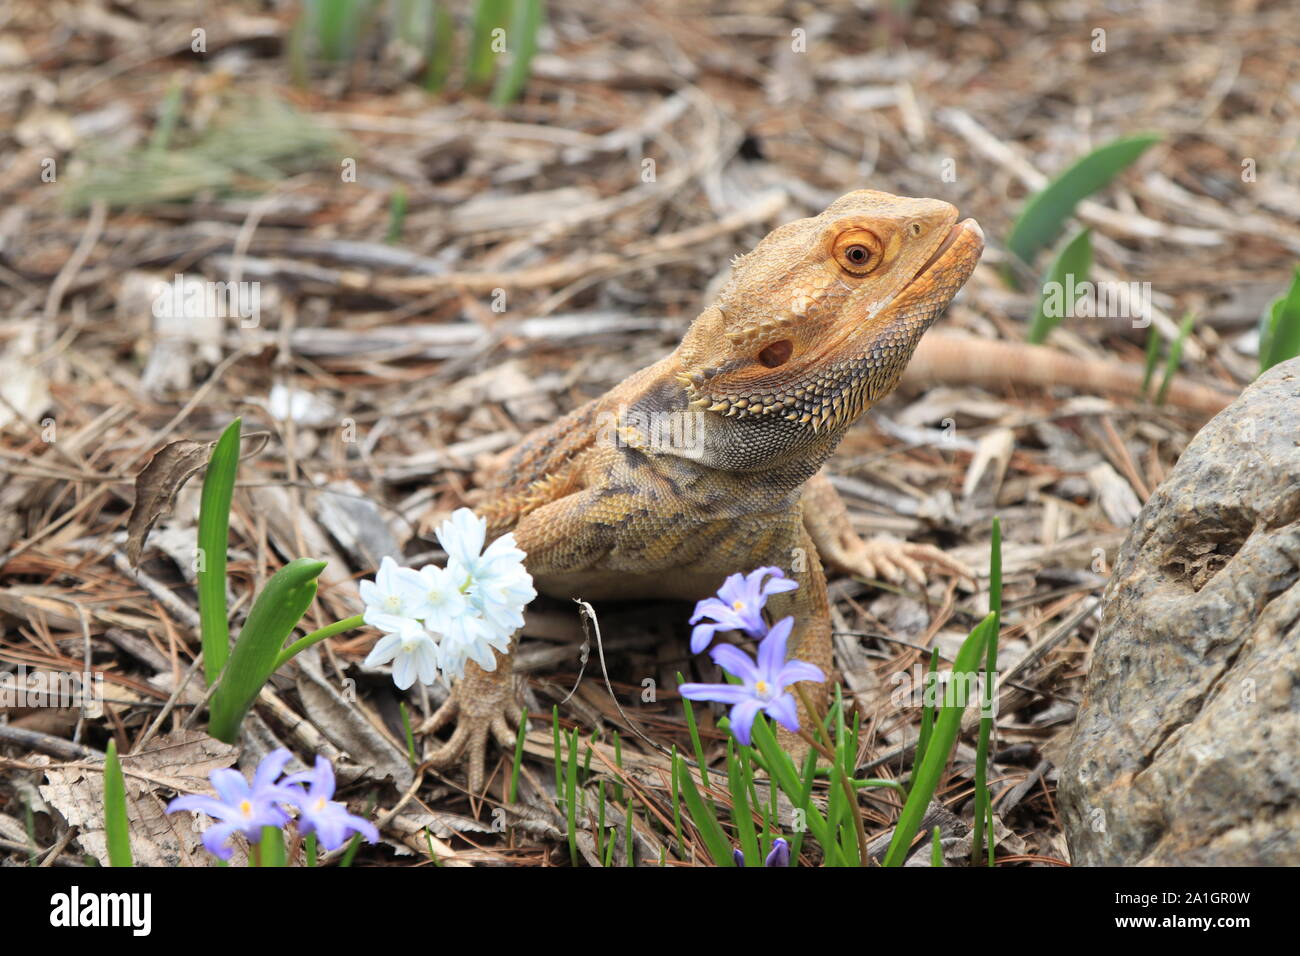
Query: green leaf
{"points": [[274, 615], [214, 537], [925, 778], [488, 16], [525, 19], [1044, 215], [1068, 270], [1280, 335], [117, 828]]}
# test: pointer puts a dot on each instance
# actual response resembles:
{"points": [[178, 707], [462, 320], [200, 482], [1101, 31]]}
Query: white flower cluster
{"points": [[435, 618]]}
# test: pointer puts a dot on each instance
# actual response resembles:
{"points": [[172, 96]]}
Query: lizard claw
{"points": [[485, 704], [894, 560]]}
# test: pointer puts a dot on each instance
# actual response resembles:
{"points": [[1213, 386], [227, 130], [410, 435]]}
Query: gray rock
{"points": [[1187, 746]]}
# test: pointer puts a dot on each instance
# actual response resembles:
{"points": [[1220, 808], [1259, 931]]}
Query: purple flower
{"points": [[241, 808], [738, 606], [763, 685], [778, 856], [327, 818]]}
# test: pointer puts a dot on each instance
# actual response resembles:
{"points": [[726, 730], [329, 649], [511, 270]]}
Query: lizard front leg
{"points": [[827, 521]]}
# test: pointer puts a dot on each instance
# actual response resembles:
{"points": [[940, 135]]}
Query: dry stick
{"points": [[55, 746], [94, 227], [174, 698], [94, 497], [966, 360]]}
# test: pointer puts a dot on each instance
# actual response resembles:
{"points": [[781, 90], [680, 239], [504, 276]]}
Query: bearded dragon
{"points": [[708, 462]]}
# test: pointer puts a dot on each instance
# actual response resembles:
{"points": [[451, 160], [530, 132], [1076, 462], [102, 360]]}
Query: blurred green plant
{"points": [[1045, 213], [1067, 272], [256, 142], [1279, 335], [333, 34], [1175, 356]]}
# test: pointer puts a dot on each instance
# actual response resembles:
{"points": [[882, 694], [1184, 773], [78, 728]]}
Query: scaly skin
{"points": [[706, 463]]}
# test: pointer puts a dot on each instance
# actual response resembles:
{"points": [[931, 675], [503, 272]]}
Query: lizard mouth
{"points": [[970, 234]]}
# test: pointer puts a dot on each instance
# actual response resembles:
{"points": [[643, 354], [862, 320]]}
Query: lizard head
{"points": [[818, 322]]}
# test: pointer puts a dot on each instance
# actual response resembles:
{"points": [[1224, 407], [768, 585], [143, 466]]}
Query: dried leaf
{"points": [[181, 762], [156, 486]]}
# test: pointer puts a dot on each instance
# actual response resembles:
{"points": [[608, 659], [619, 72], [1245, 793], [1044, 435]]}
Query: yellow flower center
{"points": [[737, 605], [246, 808], [393, 602], [761, 687], [320, 804]]}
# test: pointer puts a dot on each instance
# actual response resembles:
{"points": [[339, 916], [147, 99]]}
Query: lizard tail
{"points": [[965, 360]]}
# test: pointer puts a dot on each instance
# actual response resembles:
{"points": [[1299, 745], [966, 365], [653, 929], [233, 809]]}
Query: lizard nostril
{"points": [[776, 354]]}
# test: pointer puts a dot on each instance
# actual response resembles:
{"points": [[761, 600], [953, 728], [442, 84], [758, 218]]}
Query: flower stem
{"points": [[315, 637]]}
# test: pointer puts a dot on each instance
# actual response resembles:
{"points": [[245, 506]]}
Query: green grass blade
{"points": [[705, 820], [117, 828], [489, 15], [1280, 335], [442, 50], [983, 800], [214, 538], [274, 615], [741, 813], [629, 849], [525, 20], [407, 732], [925, 778], [804, 794], [1068, 270], [1152, 358], [335, 26], [1175, 356], [571, 795], [694, 729], [781, 768], [396, 215], [168, 117], [677, 801], [928, 707], [1044, 215], [519, 755]]}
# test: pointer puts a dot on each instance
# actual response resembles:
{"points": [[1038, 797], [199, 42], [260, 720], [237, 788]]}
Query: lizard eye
{"points": [[857, 251], [776, 354]]}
